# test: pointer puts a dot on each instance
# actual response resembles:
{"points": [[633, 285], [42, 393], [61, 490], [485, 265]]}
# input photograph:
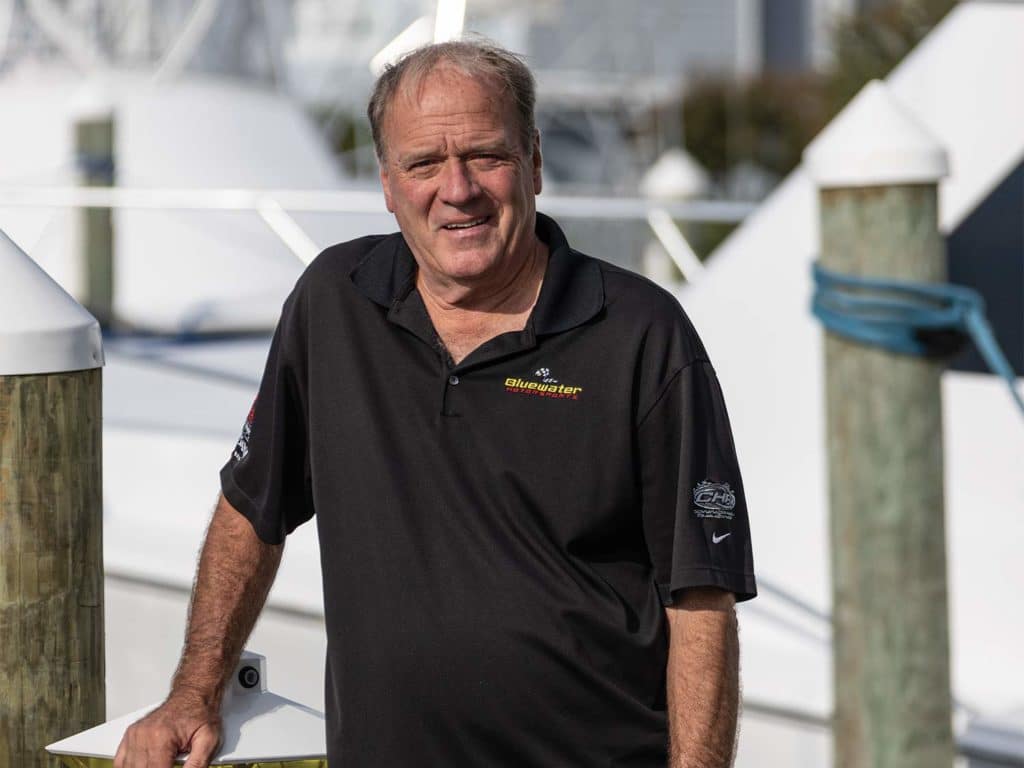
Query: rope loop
{"points": [[922, 319]]}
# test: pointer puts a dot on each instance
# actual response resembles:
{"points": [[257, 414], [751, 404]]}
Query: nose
{"points": [[458, 186]]}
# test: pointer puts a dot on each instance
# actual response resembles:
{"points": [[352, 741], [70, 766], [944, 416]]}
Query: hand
{"points": [[183, 723]]}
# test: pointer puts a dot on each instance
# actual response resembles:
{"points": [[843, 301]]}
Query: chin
{"points": [[467, 269], [469, 263]]}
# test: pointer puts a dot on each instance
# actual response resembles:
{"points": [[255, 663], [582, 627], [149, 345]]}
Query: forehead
{"points": [[449, 100]]}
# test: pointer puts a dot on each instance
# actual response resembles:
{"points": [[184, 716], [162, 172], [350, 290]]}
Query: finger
{"points": [[119, 756], [132, 749], [158, 756], [204, 744], [129, 749]]}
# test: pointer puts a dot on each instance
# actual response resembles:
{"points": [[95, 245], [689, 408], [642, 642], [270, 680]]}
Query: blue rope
{"points": [[923, 319]]}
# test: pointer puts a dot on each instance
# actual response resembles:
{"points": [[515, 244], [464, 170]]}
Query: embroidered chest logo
{"points": [[543, 384], [714, 500]]}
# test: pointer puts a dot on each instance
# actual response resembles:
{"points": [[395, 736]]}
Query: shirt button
{"points": [[453, 379]]}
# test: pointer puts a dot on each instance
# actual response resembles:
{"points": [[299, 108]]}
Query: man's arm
{"points": [[235, 572], [702, 679]]}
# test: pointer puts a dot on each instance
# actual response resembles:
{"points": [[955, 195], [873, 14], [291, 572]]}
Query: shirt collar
{"points": [[573, 288], [572, 292]]}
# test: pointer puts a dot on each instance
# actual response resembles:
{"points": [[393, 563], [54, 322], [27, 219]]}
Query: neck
{"points": [[466, 319], [514, 294]]}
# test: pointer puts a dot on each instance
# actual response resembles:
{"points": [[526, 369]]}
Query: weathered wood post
{"points": [[51, 549], [877, 172], [94, 154]]}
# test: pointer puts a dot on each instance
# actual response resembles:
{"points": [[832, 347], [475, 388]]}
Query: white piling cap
{"points": [[42, 328], [674, 176], [93, 100], [873, 142], [257, 726]]}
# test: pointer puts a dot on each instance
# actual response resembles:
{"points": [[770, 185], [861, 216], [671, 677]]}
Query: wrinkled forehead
{"points": [[418, 88], [421, 92]]}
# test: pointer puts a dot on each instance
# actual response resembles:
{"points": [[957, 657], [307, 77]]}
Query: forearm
{"points": [[702, 682], [236, 570]]}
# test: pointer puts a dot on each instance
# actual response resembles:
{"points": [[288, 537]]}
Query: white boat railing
{"points": [[275, 206]]}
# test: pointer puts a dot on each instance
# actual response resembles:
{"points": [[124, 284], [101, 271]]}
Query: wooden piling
{"points": [[51, 549], [884, 427], [51, 562], [94, 142]]}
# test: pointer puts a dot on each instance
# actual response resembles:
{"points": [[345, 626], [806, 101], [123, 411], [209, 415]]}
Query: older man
{"points": [[531, 519]]}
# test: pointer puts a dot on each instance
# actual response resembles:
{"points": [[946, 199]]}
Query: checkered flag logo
{"points": [[544, 374]]}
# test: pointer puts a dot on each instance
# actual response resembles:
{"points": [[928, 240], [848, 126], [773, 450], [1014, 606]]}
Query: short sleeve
{"points": [[694, 509], [268, 478]]}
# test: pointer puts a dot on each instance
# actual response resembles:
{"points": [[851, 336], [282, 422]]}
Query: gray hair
{"points": [[476, 58]]}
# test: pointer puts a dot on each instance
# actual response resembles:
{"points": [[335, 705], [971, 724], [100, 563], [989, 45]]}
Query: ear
{"points": [[385, 183], [538, 163]]}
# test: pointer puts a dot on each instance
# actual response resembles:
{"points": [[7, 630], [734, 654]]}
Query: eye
{"points": [[422, 165], [487, 158]]}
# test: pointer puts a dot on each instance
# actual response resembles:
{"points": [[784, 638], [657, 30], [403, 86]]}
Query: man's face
{"points": [[458, 180]]}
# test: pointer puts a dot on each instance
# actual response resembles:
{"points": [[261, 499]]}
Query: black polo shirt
{"points": [[498, 537]]}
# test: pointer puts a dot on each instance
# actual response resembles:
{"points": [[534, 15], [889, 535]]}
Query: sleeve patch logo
{"points": [[714, 500], [242, 446]]}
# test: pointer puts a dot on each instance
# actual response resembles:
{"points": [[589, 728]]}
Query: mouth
{"points": [[454, 226]]}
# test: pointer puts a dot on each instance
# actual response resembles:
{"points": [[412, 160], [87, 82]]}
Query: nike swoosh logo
{"points": [[715, 538]]}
